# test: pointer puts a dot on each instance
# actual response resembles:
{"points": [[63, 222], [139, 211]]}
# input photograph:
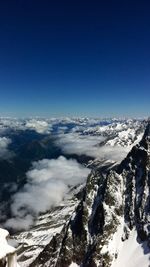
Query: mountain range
{"points": [[103, 220]]}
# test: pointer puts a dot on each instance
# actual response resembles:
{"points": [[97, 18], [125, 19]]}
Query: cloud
{"points": [[8, 124], [114, 153], [48, 182], [20, 223], [5, 153], [40, 126], [74, 143]]}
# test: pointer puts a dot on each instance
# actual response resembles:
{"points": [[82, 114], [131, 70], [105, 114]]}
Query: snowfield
{"points": [[131, 253]]}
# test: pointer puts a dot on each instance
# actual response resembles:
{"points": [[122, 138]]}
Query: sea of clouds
{"points": [[49, 180]]}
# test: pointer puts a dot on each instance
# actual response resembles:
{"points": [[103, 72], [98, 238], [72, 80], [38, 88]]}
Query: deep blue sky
{"points": [[74, 58]]}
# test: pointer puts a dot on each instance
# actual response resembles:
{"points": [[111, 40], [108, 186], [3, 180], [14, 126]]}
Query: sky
{"points": [[74, 58]]}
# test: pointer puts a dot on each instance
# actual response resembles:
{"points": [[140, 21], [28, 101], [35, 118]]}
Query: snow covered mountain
{"points": [[102, 223], [96, 220]]}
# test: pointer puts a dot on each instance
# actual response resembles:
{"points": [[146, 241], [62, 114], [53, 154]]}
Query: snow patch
{"points": [[5, 249], [73, 265]]}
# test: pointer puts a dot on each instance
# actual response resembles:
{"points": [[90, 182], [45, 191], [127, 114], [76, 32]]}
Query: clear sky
{"points": [[88, 58]]}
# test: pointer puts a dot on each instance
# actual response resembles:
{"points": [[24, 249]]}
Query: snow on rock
{"points": [[47, 225], [73, 265], [125, 138]]}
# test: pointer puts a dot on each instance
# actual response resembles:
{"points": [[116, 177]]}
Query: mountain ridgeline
{"points": [[112, 203]]}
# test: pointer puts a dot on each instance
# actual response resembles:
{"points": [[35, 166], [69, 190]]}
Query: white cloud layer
{"points": [[74, 143], [40, 126], [48, 183]]}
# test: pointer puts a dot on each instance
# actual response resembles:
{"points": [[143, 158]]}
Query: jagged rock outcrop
{"points": [[135, 170], [119, 199]]}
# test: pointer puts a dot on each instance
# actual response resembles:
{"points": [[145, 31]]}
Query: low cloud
{"points": [[47, 185], [74, 143], [5, 153], [40, 126], [114, 153], [19, 223]]}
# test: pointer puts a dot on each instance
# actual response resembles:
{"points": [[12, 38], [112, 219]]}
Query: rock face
{"points": [[113, 203]]}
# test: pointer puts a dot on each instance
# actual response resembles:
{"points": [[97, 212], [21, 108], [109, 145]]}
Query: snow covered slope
{"points": [[131, 254], [32, 242]]}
